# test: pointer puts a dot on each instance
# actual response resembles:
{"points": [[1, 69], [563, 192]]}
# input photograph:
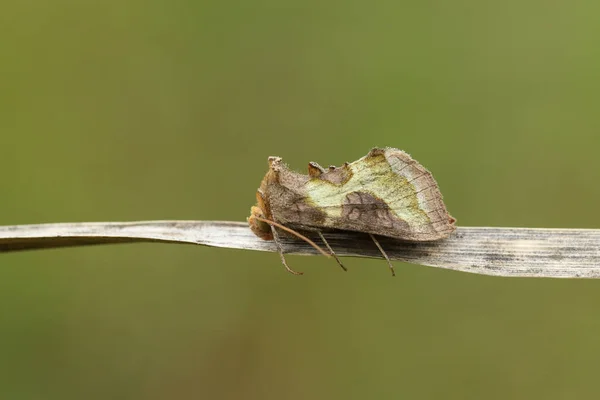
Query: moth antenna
{"points": [[332, 252], [280, 251], [293, 232], [384, 254]]}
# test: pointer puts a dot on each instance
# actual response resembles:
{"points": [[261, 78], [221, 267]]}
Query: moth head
{"points": [[259, 228], [260, 210]]}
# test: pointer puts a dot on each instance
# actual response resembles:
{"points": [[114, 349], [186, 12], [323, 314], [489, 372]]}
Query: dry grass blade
{"points": [[524, 252]]}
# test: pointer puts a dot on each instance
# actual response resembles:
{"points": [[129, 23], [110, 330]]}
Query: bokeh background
{"points": [[136, 110]]}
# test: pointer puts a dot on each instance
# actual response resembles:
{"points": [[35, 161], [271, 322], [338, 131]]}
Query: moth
{"points": [[385, 193]]}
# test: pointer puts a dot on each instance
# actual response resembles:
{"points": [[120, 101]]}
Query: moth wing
{"points": [[385, 193]]}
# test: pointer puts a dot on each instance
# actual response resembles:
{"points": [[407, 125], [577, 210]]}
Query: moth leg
{"points": [[332, 252], [280, 250], [384, 254]]}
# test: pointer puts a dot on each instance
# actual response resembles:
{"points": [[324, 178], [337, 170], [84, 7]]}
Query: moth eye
{"points": [[332, 167]]}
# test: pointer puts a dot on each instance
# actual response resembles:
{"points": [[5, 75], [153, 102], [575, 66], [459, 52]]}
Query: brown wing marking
{"points": [[363, 211]]}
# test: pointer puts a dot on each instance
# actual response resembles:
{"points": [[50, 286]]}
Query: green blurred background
{"points": [[137, 110]]}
